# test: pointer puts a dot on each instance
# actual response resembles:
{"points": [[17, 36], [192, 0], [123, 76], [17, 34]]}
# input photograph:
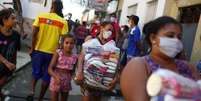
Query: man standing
{"points": [[133, 48], [47, 29], [71, 23]]}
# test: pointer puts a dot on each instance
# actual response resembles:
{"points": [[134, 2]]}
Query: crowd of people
{"points": [[105, 54]]}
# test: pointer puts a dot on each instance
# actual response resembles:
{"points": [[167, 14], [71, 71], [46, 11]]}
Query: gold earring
{"points": [[154, 42]]}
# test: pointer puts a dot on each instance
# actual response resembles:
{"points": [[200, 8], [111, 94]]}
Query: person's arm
{"points": [[79, 73], [8, 64], [35, 33], [133, 81], [34, 37], [89, 37], [114, 81], [118, 32], [137, 38], [52, 66], [2, 59]]}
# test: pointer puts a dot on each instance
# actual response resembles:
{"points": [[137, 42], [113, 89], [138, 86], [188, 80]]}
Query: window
{"points": [[132, 9], [151, 10]]}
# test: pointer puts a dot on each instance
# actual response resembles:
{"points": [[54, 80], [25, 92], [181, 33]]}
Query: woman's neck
{"points": [[161, 59], [67, 53], [102, 40]]}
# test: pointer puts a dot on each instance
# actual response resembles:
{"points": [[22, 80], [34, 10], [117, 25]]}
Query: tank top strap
{"points": [[152, 66], [182, 67]]}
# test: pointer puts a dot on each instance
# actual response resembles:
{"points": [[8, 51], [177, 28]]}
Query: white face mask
{"points": [[97, 22], [112, 19], [107, 34], [170, 46]]}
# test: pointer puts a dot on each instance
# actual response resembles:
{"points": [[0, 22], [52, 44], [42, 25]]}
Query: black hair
{"points": [[58, 6], [84, 23], [5, 14], [135, 19], [154, 26], [64, 37], [68, 36], [103, 24], [126, 28]]}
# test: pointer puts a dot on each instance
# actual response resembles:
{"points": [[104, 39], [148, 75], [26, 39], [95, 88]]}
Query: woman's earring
{"points": [[154, 42]]}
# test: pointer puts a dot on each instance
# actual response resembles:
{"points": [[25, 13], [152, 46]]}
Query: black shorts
{"points": [[4, 71]]}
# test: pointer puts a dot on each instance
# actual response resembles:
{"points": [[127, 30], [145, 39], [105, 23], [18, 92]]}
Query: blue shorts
{"points": [[40, 63]]}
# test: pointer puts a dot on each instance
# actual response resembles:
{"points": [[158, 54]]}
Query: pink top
{"points": [[66, 62]]}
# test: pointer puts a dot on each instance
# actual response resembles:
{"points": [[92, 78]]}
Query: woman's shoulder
{"points": [[133, 80], [137, 63], [91, 42]]}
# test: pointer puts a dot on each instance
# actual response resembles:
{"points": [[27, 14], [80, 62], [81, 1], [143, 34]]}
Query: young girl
{"points": [[60, 69], [9, 44]]}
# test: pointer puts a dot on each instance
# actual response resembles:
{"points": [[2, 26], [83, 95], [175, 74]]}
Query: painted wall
{"points": [[31, 9], [141, 10], [172, 9], [6, 5], [196, 53], [74, 8]]}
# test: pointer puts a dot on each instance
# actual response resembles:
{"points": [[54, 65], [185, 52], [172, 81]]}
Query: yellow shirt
{"points": [[51, 27]]}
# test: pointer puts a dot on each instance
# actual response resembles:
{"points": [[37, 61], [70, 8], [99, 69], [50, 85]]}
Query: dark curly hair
{"points": [[5, 14], [58, 6]]}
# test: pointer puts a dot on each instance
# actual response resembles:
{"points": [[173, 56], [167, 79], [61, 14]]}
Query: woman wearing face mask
{"points": [[88, 93], [163, 35]]}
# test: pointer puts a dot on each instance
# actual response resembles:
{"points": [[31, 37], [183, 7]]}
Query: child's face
{"points": [[11, 21], [68, 44]]}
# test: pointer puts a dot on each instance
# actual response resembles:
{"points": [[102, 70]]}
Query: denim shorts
{"points": [[40, 63]]}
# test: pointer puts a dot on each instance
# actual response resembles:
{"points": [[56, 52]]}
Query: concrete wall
{"points": [[31, 9], [196, 53], [141, 10], [172, 9], [6, 5]]}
